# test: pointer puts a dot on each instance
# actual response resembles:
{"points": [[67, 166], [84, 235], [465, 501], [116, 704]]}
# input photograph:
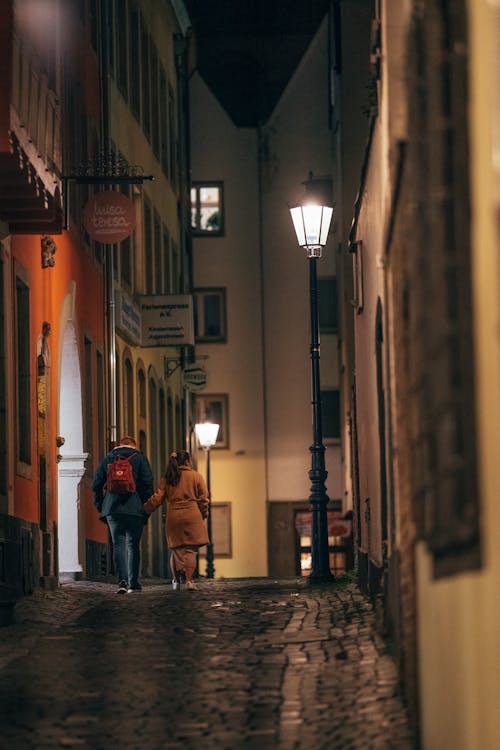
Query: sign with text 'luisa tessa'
{"points": [[167, 320]]}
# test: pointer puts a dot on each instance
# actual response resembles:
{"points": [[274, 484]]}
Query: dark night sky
{"points": [[248, 50]]}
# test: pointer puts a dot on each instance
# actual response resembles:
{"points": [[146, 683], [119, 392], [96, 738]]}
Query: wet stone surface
{"points": [[236, 664]]}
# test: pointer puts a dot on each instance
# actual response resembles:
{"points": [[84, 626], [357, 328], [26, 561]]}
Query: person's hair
{"points": [[172, 474], [128, 440]]}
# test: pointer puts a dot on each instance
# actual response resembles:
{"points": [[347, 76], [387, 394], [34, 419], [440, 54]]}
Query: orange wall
{"points": [[48, 289]]}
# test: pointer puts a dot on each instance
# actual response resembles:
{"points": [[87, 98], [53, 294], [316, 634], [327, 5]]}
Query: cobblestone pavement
{"points": [[236, 664]]}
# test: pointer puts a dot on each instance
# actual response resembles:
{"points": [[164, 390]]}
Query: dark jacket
{"points": [[110, 504]]}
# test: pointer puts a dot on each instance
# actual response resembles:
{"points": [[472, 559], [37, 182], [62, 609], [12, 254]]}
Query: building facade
{"points": [[251, 281], [419, 349], [92, 99]]}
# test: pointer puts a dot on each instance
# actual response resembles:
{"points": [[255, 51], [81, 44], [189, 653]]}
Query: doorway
{"points": [[71, 459]]}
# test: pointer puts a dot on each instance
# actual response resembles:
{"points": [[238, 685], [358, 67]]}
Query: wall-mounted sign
{"points": [[167, 320], [128, 318], [194, 378], [109, 217]]}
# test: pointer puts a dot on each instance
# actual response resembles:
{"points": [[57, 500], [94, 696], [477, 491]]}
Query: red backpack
{"points": [[119, 475]]}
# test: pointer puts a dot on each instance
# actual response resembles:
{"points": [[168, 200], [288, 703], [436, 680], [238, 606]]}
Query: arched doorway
{"points": [[71, 457]]}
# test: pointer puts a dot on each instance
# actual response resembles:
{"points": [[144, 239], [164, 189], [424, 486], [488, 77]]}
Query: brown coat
{"points": [[187, 505]]}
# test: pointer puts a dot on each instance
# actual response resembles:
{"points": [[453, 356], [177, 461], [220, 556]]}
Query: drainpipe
{"points": [[109, 269]]}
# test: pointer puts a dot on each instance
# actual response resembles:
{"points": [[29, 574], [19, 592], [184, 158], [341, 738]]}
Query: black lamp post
{"points": [[207, 432], [311, 222]]}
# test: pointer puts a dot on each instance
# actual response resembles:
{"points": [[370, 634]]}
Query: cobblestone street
{"points": [[236, 664]]}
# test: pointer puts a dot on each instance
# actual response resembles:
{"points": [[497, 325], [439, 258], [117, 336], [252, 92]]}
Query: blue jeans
{"points": [[126, 531]]}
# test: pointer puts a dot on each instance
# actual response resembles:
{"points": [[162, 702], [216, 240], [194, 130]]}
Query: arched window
{"points": [[128, 397], [170, 423], [141, 380], [153, 423]]}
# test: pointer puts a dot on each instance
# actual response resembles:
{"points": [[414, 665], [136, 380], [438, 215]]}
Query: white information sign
{"points": [[167, 320]]}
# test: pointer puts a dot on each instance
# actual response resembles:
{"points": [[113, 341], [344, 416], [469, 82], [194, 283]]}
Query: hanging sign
{"points": [[194, 378], [167, 320], [109, 217]]}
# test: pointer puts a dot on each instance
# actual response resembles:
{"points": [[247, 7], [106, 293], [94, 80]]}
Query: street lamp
{"points": [[207, 432], [311, 222]]}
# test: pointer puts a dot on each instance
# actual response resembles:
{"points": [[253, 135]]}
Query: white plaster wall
{"points": [[71, 465], [371, 233], [298, 141]]}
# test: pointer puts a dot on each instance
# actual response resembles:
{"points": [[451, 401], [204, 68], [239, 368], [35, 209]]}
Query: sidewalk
{"points": [[236, 664]]}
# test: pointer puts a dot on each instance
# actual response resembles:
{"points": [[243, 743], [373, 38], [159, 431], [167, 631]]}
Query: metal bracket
{"points": [[171, 365], [105, 169]]}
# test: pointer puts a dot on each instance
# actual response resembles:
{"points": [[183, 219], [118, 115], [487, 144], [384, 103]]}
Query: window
{"points": [[170, 423], [153, 424], [134, 43], [175, 268], [331, 414], [23, 372], [166, 260], [214, 408], [121, 51], [128, 393], [210, 315], [158, 255], [207, 209], [164, 134], [172, 156], [142, 394], [155, 140], [148, 248], [327, 305], [339, 534], [146, 85]]}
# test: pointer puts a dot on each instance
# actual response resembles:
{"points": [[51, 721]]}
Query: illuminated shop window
{"points": [[339, 532]]}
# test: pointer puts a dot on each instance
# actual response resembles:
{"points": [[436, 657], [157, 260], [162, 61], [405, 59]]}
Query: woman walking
{"points": [[186, 494]]}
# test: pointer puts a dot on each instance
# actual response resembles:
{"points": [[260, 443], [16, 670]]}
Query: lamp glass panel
{"points": [[206, 433], [325, 224], [298, 224], [312, 223]]}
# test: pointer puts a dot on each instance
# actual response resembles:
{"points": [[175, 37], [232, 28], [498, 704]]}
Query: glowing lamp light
{"points": [[206, 432], [311, 223]]}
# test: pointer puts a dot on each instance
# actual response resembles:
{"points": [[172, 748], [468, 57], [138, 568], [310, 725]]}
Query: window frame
{"points": [[196, 230], [203, 402], [201, 292]]}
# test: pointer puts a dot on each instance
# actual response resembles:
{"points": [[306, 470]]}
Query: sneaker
{"points": [[134, 589], [175, 584], [122, 587]]}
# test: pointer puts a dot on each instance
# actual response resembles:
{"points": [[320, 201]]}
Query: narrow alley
{"points": [[254, 663]]}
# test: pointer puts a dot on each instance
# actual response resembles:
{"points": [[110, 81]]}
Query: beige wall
{"points": [[459, 618], [297, 140], [220, 151]]}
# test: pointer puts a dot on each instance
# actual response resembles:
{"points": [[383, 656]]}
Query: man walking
{"points": [[122, 484]]}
